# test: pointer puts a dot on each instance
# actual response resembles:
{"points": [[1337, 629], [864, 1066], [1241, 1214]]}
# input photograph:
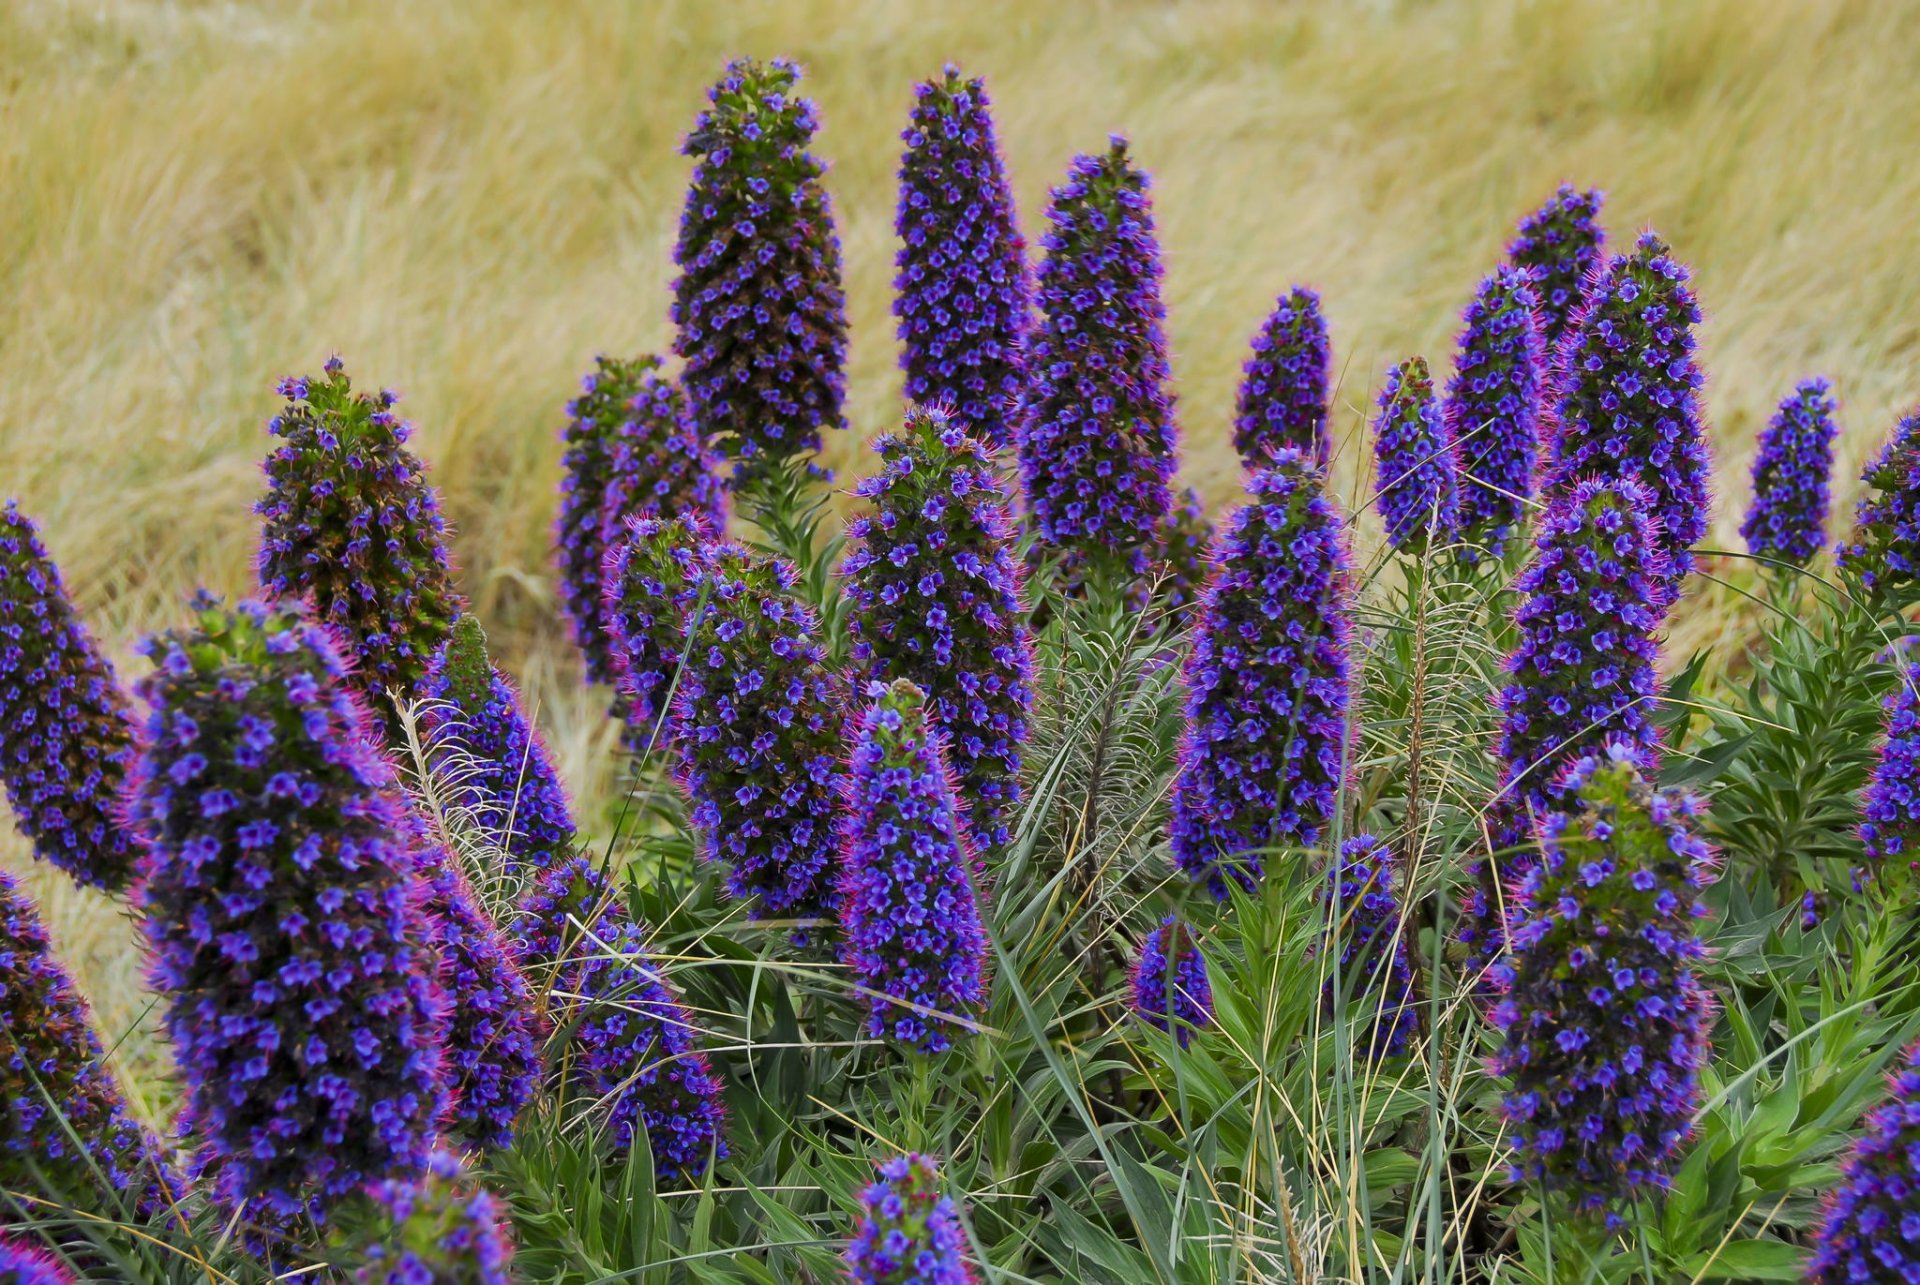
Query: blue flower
{"points": [[442, 1229], [1788, 520], [1282, 400], [1871, 1227], [1492, 409], [1170, 986], [1363, 891], [1415, 477], [1562, 244], [909, 1232]]}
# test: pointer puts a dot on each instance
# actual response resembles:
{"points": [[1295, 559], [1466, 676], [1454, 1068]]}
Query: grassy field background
{"points": [[469, 199]]}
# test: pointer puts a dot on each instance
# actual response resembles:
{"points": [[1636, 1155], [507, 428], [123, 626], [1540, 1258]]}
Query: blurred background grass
{"points": [[468, 199]]}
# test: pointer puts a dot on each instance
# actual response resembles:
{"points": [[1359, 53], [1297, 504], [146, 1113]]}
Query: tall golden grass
{"points": [[468, 198]]}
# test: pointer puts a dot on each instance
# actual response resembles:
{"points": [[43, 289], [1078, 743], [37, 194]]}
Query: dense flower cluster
{"points": [[758, 729], [285, 915], [65, 1131], [490, 758], [1788, 520], [935, 588], [1283, 387], [909, 914], [23, 1264], [1186, 551], [66, 735], [441, 1230], [1628, 397], [634, 1051], [1170, 986], [761, 314], [962, 293], [1492, 408], [1363, 891], [1890, 808], [1097, 450], [1415, 480], [652, 579], [1883, 552], [1604, 1018], [350, 523], [1562, 244], [1266, 682], [1871, 1228], [909, 1233], [632, 450]]}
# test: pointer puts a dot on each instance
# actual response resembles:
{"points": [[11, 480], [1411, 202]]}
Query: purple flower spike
{"points": [[1562, 244], [23, 1264], [490, 758], [909, 915], [1186, 551], [1603, 1016], [1871, 1228], [442, 1229], [761, 314], [963, 293], [1627, 390], [1890, 809], [909, 1232], [1170, 982], [67, 1129], [1883, 553], [1363, 890], [1284, 385], [285, 915], [1415, 478], [350, 523], [652, 580], [1098, 450], [66, 733], [936, 593], [1261, 760], [1492, 409], [1788, 520], [632, 450]]}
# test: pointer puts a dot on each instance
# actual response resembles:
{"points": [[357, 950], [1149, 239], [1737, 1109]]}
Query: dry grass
{"points": [[468, 199]]}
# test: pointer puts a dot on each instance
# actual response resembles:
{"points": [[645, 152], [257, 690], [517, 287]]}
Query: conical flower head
{"points": [[285, 915], [1492, 408], [1170, 987], [350, 523], [24, 1264], [632, 450], [936, 592], [1562, 244], [1890, 809], [1883, 553], [441, 1229], [1097, 450], [66, 735], [652, 581], [1186, 550], [1871, 1228], [911, 931], [490, 758], [1788, 520], [963, 294], [1261, 760], [65, 1131], [1415, 480], [633, 1051], [909, 1231], [1284, 385], [1627, 393], [1604, 1019], [1374, 978], [761, 314]]}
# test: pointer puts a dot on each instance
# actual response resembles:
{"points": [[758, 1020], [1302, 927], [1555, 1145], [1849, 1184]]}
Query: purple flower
{"points": [[652, 579], [1871, 1228], [301, 993], [1375, 978], [442, 1229], [1788, 520], [1097, 450], [69, 1136], [762, 318], [350, 523], [1266, 682], [909, 1232], [936, 594], [962, 293], [1883, 553], [23, 1264], [66, 734], [1627, 395], [1562, 244], [1492, 409], [1170, 987], [1890, 808], [1415, 478], [632, 450], [1283, 387], [1186, 551], [909, 916], [1603, 1017]]}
